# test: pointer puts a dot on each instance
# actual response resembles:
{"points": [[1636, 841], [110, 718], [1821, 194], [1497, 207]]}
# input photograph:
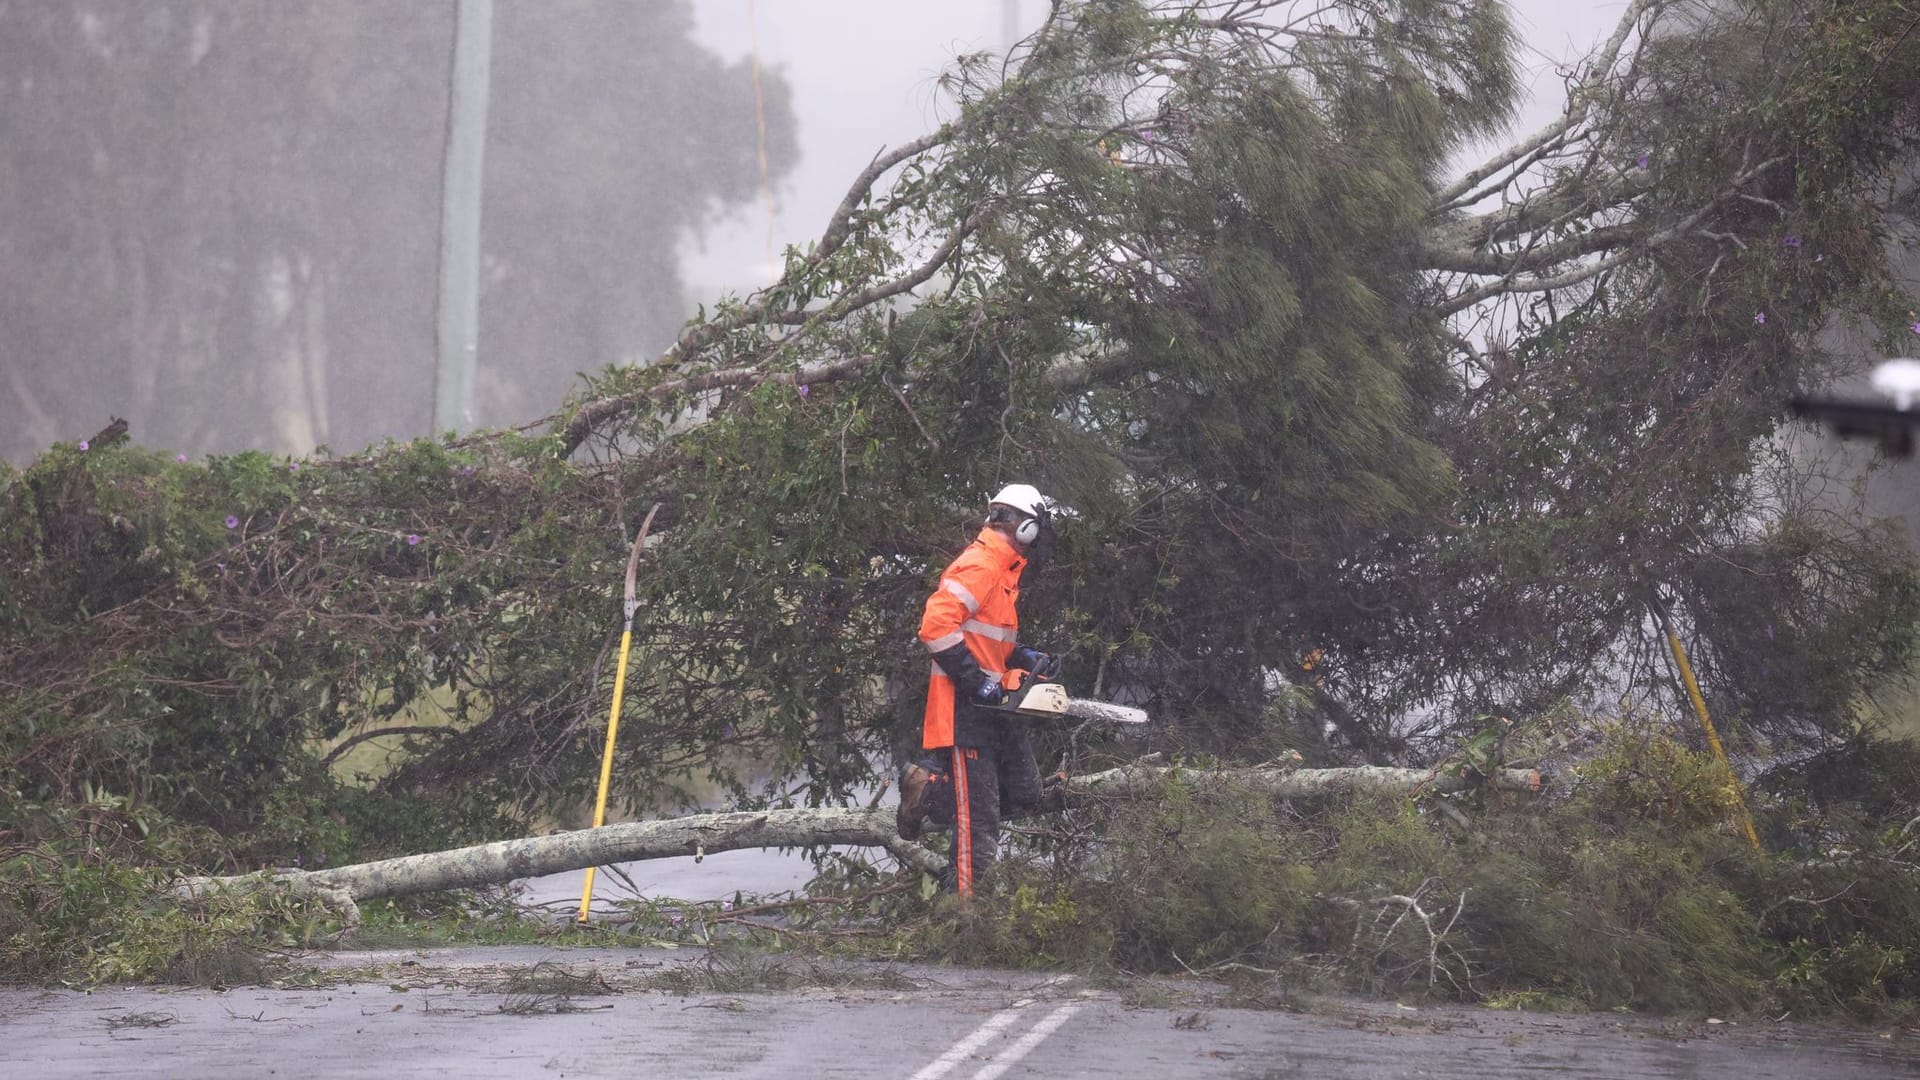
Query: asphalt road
{"points": [[660, 1013]]}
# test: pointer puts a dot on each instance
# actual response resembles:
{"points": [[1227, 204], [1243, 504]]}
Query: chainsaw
{"points": [[1027, 694]]}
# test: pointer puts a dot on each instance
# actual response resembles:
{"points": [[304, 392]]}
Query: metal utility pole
{"points": [[457, 331]]}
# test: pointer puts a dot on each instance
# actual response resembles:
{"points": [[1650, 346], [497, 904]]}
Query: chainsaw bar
{"points": [[1050, 699], [1106, 712]]}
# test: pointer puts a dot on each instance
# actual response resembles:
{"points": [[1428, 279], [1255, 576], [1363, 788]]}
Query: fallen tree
{"points": [[1190, 266], [504, 861], [1626, 890]]}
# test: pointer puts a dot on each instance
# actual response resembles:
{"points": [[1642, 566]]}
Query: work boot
{"points": [[912, 814]]}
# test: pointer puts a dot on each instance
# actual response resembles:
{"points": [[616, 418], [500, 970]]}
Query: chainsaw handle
{"points": [[1014, 679]]}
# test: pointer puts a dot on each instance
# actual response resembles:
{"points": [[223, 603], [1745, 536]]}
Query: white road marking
{"points": [[1007, 1060], [945, 1063], [995, 1024]]}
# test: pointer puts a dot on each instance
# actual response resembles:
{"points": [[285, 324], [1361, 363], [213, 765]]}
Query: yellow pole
{"points": [[613, 717], [606, 759], [1713, 737]]}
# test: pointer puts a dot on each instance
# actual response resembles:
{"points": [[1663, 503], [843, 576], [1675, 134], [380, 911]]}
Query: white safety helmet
{"points": [[1026, 500], [1022, 497]]}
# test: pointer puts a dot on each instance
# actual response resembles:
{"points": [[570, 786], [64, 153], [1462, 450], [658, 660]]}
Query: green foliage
{"points": [[462, 918], [1794, 629], [1187, 882], [1860, 978], [85, 923], [1029, 925], [1632, 893], [1643, 775], [193, 630]]}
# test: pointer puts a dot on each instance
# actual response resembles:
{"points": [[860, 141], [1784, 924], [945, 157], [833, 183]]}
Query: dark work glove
{"points": [[960, 666], [1042, 665], [989, 693]]}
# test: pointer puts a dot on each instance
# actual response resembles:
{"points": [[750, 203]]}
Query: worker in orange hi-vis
{"points": [[971, 627]]}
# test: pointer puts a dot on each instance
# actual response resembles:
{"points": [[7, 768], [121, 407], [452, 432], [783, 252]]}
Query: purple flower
{"points": [[1790, 240], [803, 393], [413, 539], [1915, 328], [1769, 631], [1642, 161], [232, 522], [293, 466], [1146, 134], [1760, 317], [181, 458], [83, 445]]}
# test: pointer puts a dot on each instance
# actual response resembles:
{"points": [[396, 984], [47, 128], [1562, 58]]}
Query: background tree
{"points": [[220, 217]]}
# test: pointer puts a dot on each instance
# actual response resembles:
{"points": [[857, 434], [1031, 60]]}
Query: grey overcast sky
{"points": [[863, 73]]}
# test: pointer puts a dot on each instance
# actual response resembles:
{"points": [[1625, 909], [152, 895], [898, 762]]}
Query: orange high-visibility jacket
{"points": [[974, 604]]}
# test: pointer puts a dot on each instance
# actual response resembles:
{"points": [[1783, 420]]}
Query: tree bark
{"points": [[1291, 783], [534, 856], [507, 860]]}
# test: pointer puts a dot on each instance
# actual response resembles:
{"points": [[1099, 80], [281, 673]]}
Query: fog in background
{"points": [[863, 76], [219, 218]]}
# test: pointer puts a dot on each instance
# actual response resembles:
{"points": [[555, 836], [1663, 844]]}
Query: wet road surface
{"points": [[440, 1012]]}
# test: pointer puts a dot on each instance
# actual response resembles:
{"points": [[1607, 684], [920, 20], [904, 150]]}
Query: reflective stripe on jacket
{"points": [[973, 604]]}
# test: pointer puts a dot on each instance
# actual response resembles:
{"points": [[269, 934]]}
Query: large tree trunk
{"points": [[507, 860]]}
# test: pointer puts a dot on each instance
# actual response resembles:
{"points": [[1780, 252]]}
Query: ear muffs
{"points": [[1027, 531]]}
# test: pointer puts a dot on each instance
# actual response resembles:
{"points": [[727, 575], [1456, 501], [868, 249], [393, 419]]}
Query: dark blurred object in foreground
{"points": [[1897, 378], [1862, 420]]}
